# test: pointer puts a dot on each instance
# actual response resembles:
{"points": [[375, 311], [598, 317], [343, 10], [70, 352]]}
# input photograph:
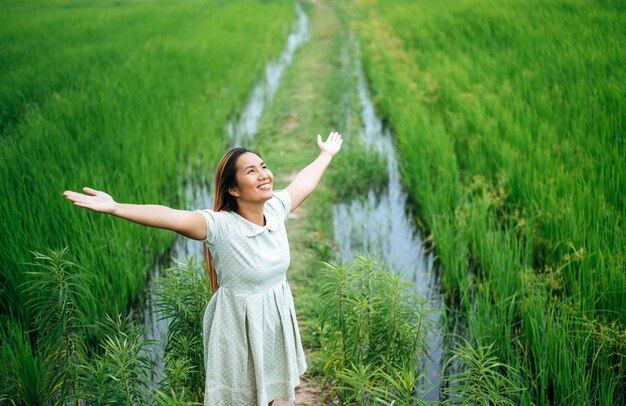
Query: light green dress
{"points": [[252, 348]]}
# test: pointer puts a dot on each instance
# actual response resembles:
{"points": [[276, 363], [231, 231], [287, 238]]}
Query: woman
{"points": [[252, 348]]}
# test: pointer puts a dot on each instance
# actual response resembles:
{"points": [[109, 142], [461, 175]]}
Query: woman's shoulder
{"points": [[218, 224], [215, 215], [281, 203]]}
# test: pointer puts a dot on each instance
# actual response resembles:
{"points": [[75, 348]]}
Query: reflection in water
{"points": [[200, 196], [381, 223]]}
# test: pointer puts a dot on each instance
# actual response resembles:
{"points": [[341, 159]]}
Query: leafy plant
{"points": [[122, 373], [482, 379], [181, 297], [55, 291], [373, 332]]}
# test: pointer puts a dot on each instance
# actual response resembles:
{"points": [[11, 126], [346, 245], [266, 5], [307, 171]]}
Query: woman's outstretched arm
{"points": [[307, 179], [188, 223]]}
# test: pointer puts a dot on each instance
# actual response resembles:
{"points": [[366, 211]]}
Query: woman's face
{"points": [[254, 180]]}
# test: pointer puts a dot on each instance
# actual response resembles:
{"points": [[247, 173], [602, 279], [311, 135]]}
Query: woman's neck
{"points": [[252, 213]]}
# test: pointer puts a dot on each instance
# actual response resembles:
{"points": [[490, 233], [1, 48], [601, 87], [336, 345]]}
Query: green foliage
{"points": [[373, 332], [359, 170], [172, 399], [482, 380], [124, 97], [181, 297], [121, 375], [23, 373], [512, 146], [94, 93], [59, 368], [55, 292]]}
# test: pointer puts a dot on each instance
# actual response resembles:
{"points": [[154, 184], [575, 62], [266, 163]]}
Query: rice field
{"points": [[127, 97], [509, 118]]}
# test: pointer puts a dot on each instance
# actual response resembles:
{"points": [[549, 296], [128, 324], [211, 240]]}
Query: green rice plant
{"points": [[127, 97], [24, 374], [482, 379], [360, 170], [508, 116], [124, 97], [373, 331], [181, 297]]}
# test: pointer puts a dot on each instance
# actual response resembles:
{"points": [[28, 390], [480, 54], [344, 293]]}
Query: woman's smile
{"points": [[253, 176]]}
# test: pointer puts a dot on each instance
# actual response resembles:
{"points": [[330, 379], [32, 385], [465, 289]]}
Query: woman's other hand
{"points": [[94, 200], [332, 145]]}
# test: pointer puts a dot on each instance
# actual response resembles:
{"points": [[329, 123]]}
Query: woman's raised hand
{"points": [[332, 145], [94, 200]]}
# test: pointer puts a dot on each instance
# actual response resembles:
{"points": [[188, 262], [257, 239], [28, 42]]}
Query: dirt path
{"points": [[286, 138]]}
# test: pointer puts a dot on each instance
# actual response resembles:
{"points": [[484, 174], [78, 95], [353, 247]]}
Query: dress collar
{"points": [[250, 229]]}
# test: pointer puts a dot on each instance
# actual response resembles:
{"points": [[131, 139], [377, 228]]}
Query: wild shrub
{"points": [[55, 290], [181, 297], [373, 332], [360, 170], [121, 374], [481, 379]]}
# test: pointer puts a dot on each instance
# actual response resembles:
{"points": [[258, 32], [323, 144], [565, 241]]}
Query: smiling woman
{"points": [[252, 348]]}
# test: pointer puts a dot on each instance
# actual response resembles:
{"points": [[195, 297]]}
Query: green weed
{"points": [[373, 332], [181, 297]]}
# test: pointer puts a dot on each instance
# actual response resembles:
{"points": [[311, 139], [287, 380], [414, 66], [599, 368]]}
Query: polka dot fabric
{"points": [[252, 348]]}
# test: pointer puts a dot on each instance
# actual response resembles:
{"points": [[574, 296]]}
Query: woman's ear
{"points": [[233, 191]]}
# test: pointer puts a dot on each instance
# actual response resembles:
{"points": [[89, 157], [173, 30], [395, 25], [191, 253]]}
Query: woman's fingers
{"points": [[90, 191], [73, 196], [333, 137], [82, 204], [78, 198], [70, 194]]}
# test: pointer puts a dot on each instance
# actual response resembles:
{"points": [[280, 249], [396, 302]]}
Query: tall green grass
{"points": [[132, 98], [509, 117], [124, 97]]}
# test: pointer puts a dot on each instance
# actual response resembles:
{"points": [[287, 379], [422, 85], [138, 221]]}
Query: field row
{"points": [[509, 118]]}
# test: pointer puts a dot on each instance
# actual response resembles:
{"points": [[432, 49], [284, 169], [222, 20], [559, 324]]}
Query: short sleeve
{"points": [[214, 226], [283, 203]]}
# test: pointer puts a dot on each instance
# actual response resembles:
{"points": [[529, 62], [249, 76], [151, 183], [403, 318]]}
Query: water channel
{"points": [[381, 223]]}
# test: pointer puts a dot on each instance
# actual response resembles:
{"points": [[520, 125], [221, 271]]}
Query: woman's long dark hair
{"points": [[225, 178]]}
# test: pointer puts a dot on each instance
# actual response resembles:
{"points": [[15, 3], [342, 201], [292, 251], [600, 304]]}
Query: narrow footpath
{"points": [[303, 107]]}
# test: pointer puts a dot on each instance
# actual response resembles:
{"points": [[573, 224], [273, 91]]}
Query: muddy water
{"points": [[240, 132], [381, 223]]}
